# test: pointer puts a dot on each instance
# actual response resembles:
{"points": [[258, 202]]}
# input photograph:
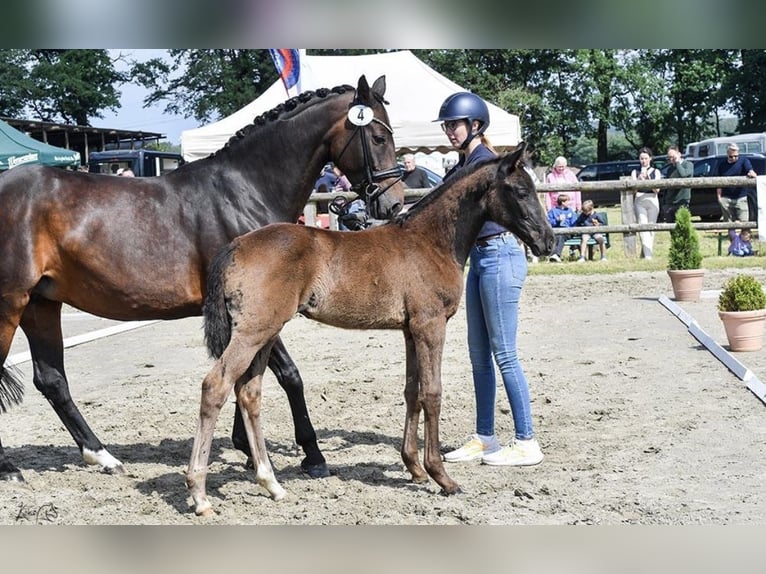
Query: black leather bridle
{"points": [[369, 188]]}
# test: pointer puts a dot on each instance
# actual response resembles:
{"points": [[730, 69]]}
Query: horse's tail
{"points": [[11, 387], [217, 319]]}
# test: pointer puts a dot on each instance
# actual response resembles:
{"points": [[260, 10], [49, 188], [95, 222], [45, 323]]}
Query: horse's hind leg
{"points": [[412, 401], [227, 370], [283, 367], [41, 323], [249, 400]]}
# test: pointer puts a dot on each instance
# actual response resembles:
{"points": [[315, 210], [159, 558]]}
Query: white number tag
{"points": [[360, 115]]}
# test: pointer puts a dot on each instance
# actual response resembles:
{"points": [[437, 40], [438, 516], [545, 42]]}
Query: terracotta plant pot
{"points": [[744, 329], [687, 283]]}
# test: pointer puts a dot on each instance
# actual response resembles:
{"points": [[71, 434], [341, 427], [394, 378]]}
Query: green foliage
{"points": [[684, 252], [68, 86], [206, 84], [742, 293]]}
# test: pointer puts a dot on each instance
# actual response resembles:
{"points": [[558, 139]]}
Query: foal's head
{"points": [[514, 203]]}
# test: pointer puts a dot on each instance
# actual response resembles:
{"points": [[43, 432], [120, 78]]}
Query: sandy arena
{"points": [[640, 424]]}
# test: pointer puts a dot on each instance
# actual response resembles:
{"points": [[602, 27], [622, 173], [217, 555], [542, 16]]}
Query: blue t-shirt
{"points": [[479, 154], [740, 167]]}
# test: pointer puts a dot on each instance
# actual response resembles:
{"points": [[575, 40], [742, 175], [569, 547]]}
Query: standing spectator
{"points": [[496, 274], [331, 179], [561, 216], [413, 176], [645, 203], [676, 198], [733, 200], [562, 174], [589, 218]]}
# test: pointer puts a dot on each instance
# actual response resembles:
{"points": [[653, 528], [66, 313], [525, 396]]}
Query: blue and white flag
{"points": [[287, 62]]}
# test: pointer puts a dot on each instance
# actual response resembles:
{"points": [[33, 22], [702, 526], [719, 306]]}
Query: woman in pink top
{"points": [[562, 174]]}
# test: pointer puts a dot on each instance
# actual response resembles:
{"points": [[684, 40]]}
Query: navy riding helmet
{"points": [[465, 106]]}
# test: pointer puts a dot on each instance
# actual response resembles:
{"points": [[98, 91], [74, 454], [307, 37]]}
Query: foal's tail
{"points": [[217, 319], [11, 387]]}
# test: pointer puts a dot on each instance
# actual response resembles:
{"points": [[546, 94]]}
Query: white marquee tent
{"points": [[414, 90]]}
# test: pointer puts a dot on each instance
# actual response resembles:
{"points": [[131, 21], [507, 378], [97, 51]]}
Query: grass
{"points": [[619, 262]]}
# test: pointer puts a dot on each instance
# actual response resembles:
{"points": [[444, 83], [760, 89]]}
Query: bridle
{"points": [[369, 188]]}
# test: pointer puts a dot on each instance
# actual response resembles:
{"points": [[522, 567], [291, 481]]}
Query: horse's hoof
{"points": [[205, 512], [12, 476], [452, 491], [118, 470], [315, 470]]}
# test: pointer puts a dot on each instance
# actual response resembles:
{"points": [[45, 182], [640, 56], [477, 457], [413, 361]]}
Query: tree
{"points": [[745, 89], [206, 84], [68, 86]]}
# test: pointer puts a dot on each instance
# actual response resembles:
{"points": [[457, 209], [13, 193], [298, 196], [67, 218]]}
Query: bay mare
{"points": [[405, 275], [139, 248]]}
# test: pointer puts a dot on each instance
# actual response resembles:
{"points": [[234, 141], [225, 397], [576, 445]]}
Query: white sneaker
{"points": [[554, 258], [519, 453], [581, 260], [474, 449]]}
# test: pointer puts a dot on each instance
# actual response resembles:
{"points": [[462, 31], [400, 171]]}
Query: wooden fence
{"points": [[629, 228]]}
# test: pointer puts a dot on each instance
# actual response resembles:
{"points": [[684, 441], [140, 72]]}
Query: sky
{"points": [[133, 116]]}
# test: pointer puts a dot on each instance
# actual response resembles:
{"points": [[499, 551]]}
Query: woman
{"points": [[645, 203], [496, 274], [562, 174]]}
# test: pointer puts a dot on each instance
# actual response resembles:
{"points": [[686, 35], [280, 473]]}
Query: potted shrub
{"points": [[742, 308], [685, 259]]}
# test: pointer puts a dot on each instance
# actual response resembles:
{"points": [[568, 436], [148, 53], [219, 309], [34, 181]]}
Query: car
{"points": [[605, 171], [704, 202], [143, 162]]}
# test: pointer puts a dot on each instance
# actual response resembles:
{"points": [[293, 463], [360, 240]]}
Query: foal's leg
{"points": [[215, 388], [412, 400], [428, 340], [41, 323], [283, 367], [249, 400]]}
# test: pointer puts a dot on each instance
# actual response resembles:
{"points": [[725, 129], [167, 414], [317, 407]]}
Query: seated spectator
{"points": [[741, 244], [413, 176], [561, 216], [589, 218], [127, 172]]}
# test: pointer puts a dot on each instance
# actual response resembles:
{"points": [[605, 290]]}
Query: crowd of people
{"points": [[566, 209]]}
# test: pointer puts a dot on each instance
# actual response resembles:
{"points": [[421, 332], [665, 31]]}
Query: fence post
{"points": [[310, 214], [628, 217]]}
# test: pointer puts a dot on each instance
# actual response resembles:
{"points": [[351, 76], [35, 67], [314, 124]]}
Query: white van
{"points": [[748, 143]]}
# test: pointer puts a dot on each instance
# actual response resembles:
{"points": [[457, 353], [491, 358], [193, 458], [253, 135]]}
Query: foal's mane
{"points": [[438, 191], [286, 108]]}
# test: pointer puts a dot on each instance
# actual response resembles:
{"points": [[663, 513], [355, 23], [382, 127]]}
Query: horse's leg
{"points": [[11, 388], [412, 400], [429, 346], [249, 401], [215, 388], [283, 367], [41, 323]]}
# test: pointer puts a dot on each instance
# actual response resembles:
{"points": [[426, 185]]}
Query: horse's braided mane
{"points": [[438, 191], [302, 99]]}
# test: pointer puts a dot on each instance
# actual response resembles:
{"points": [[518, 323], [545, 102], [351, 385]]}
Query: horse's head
{"points": [[365, 152], [515, 205]]}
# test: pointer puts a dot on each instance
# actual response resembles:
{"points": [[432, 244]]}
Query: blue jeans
{"points": [[496, 275]]}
